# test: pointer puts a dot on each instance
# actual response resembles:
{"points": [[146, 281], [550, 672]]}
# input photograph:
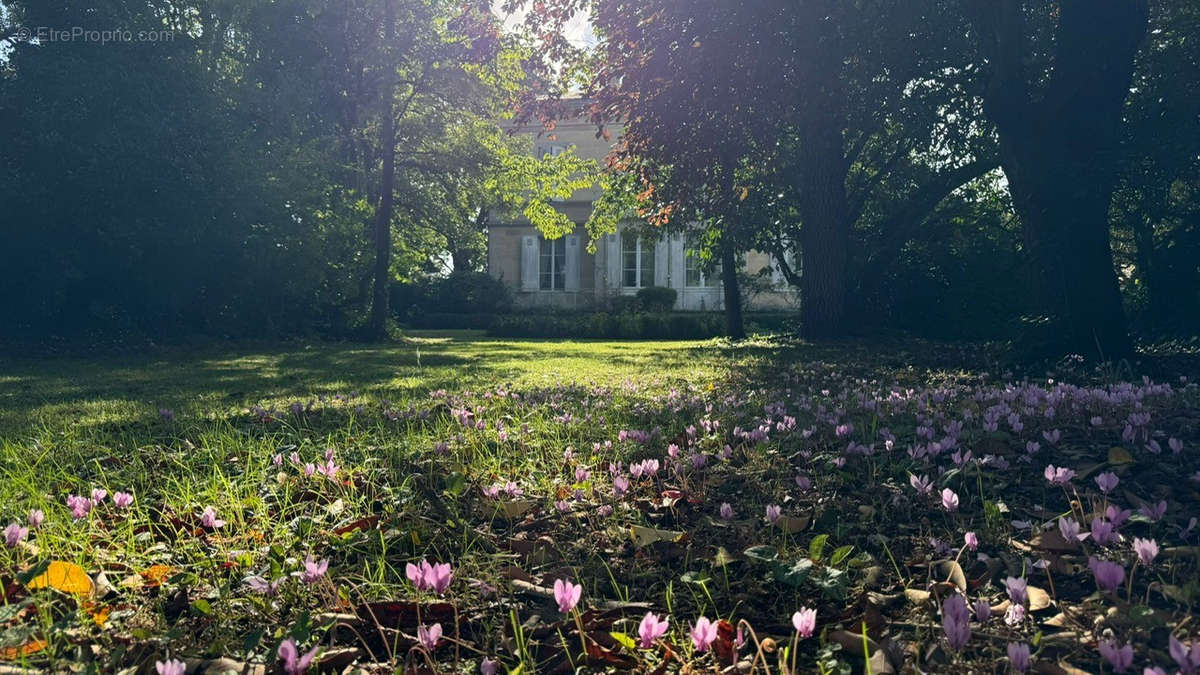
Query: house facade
{"points": [[562, 272]]}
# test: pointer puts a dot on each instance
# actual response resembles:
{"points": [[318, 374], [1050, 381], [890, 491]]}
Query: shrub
{"points": [[656, 299], [600, 325], [458, 293]]}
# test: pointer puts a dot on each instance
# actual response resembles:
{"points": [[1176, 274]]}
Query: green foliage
{"points": [[626, 326], [657, 298]]}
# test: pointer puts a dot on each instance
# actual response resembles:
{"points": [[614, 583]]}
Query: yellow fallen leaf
{"points": [[63, 576], [155, 575], [644, 536], [99, 613], [1119, 455], [516, 509]]}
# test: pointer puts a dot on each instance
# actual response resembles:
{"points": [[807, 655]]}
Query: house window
{"points": [[637, 262], [694, 276], [553, 267]]}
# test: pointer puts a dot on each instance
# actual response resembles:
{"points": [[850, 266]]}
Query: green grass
{"points": [[36, 395]]}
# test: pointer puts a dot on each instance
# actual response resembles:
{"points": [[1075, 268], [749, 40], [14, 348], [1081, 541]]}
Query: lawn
{"points": [[692, 501]]}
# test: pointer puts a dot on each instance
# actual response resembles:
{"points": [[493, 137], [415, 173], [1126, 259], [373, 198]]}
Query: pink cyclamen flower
{"points": [[429, 577], [1018, 656], [1069, 529], [1014, 615], [80, 506], [488, 667], [652, 628], [949, 500], [1103, 531], [1146, 549], [98, 495], [922, 485], [1058, 476], [956, 621], [1154, 512], [773, 513], [1175, 444], [1116, 515], [620, 486], [36, 518], [314, 569], [1107, 481], [1016, 588], [982, 610], [262, 586], [567, 595], [1120, 658], [703, 634], [805, 621], [1187, 659], [726, 511], [122, 500], [209, 519], [428, 637], [971, 540], [293, 662], [581, 474], [14, 534], [170, 667], [1109, 575]]}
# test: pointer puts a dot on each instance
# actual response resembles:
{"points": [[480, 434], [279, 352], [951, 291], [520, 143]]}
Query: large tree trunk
{"points": [[824, 236], [383, 215], [734, 325], [1059, 155]]}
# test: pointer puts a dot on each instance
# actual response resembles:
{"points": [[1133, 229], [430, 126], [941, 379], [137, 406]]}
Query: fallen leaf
{"points": [[1038, 598], [644, 536], [21, 651], [1119, 455], [63, 576], [954, 574]]}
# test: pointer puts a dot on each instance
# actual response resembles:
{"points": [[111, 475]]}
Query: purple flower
{"points": [[805, 621], [620, 485], [14, 534], [652, 628], [80, 506], [1188, 659], [98, 495], [1108, 575], [804, 483], [170, 667], [488, 667], [313, 569], [956, 621], [1069, 529], [262, 586], [1058, 476], [1016, 590], [293, 662], [949, 500], [1107, 481], [429, 636], [1154, 512], [567, 595], [726, 511], [581, 474], [209, 519], [1175, 444], [922, 485], [1018, 656], [982, 610], [1014, 615], [122, 500], [703, 634], [1120, 658], [971, 541], [773, 513], [1103, 531], [1116, 515], [429, 577], [1146, 549], [36, 518]]}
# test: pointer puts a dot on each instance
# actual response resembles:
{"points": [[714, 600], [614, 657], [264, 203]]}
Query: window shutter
{"points": [[661, 273], [571, 271], [678, 269], [529, 263], [612, 259]]}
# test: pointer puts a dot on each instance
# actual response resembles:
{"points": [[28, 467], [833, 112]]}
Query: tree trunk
{"points": [[824, 236], [383, 215], [1059, 155], [734, 326]]}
